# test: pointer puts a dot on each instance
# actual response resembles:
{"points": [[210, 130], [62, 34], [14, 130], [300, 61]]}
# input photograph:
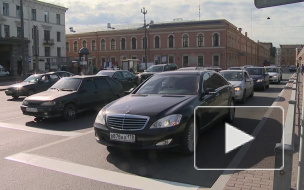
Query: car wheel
{"points": [[231, 112], [15, 97], [244, 97], [187, 145], [69, 112], [31, 92]]}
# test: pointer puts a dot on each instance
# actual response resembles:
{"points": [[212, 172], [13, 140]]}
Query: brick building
{"points": [[289, 53], [191, 43]]}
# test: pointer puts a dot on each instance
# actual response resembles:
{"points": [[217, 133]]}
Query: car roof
{"points": [[190, 72], [239, 70], [255, 67], [87, 76]]}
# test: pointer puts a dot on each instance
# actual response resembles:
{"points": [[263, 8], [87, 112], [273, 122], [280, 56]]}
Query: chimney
{"points": [[240, 29]]}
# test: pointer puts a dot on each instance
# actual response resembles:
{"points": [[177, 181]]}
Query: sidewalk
{"points": [[263, 179]]}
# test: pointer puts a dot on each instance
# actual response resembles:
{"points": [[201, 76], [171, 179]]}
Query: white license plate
{"points": [[31, 109], [122, 137]]}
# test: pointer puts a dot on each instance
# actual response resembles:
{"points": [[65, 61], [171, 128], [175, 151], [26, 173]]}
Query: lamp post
{"points": [[24, 68], [144, 11]]}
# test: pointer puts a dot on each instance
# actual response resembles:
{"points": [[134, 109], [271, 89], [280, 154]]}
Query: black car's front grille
{"points": [[127, 122], [34, 103]]}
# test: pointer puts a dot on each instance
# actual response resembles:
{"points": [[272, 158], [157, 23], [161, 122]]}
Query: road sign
{"points": [[300, 58]]}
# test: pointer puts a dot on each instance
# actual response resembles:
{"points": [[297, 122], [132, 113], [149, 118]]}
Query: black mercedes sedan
{"points": [[160, 112], [71, 95]]}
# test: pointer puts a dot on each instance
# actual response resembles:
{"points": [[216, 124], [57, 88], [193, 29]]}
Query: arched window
{"points": [[67, 47], [84, 43], [75, 48], [156, 42], [93, 45], [134, 41], [113, 44], [171, 41], [216, 40], [103, 45], [200, 40], [123, 43], [185, 40]]}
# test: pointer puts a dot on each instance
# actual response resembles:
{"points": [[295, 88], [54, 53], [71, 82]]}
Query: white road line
{"points": [[38, 130], [106, 176]]}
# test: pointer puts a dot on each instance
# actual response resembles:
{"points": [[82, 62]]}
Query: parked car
{"points": [[32, 85], [62, 73], [3, 72], [259, 76], [160, 112], [71, 95], [275, 74], [156, 69], [125, 78], [292, 68], [242, 83], [192, 68]]}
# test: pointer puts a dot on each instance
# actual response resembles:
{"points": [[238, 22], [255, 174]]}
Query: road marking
{"points": [[38, 130], [106, 176]]}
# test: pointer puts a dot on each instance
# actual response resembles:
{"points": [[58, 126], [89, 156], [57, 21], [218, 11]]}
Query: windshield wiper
{"points": [[66, 89]]}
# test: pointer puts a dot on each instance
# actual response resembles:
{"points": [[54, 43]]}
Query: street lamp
{"points": [[144, 11]]}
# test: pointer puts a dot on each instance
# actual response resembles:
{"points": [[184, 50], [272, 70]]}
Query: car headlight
{"points": [[169, 121], [238, 88], [275, 76], [260, 80], [100, 118], [25, 102], [48, 103]]}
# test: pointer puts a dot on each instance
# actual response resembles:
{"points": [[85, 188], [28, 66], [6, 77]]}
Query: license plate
{"points": [[31, 109], [122, 137]]}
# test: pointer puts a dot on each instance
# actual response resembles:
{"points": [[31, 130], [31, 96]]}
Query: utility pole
{"points": [[144, 11], [24, 68]]}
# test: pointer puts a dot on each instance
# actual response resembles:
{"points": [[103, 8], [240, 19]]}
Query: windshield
{"points": [[172, 84], [272, 70], [70, 84], [233, 76], [32, 78], [110, 74], [156, 68], [255, 71]]}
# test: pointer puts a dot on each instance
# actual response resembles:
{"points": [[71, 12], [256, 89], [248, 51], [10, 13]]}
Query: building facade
{"points": [[44, 24], [278, 57], [289, 54], [194, 43]]}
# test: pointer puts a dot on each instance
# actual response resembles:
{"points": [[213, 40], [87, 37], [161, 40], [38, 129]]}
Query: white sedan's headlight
{"points": [[275, 76], [48, 103], [169, 121], [238, 88], [100, 118]]}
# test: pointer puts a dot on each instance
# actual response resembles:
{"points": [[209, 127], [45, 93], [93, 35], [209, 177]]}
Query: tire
{"points": [[244, 97], [69, 112], [187, 144], [31, 92], [15, 97], [231, 113]]}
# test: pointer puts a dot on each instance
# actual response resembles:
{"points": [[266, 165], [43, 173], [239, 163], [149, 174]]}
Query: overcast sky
{"points": [[285, 26]]}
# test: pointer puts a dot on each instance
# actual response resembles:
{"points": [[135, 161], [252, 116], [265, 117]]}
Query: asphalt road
{"points": [[54, 154]]}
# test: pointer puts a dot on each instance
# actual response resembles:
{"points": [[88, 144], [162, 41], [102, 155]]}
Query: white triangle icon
{"points": [[235, 138]]}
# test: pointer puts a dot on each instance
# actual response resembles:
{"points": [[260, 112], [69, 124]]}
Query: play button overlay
{"points": [[246, 143], [235, 138]]}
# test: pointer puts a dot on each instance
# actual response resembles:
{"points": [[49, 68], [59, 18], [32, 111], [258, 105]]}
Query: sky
{"points": [[285, 26]]}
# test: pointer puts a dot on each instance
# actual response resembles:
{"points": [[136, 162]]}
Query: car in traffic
{"points": [[242, 83], [259, 76], [32, 85], [160, 112], [3, 72], [62, 73], [72, 95], [292, 68], [125, 78], [275, 74], [156, 69]]}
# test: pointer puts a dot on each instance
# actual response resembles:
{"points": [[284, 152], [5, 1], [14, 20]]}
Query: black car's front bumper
{"points": [[42, 111], [16, 92], [144, 139]]}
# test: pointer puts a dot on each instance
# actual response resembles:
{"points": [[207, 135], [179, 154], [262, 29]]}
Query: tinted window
{"points": [[155, 68], [32, 78], [45, 78], [255, 71], [54, 78], [113, 83], [67, 84], [118, 75], [110, 74], [214, 81], [102, 83], [233, 76], [127, 75], [88, 85]]}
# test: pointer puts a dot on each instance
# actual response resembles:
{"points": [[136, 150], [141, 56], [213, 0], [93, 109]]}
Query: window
{"points": [[67, 47], [123, 44], [47, 51], [58, 37], [200, 61], [171, 59], [47, 35], [134, 43], [88, 85], [93, 45], [156, 42], [185, 61], [144, 42], [57, 18], [171, 41], [5, 9], [18, 11], [200, 40], [102, 84], [216, 60], [6, 31], [118, 75], [215, 39], [18, 32], [103, 45], [75, 47], [185, 40], [46, 16], [33, 14], [84, 43], [113, 44], [58, 52]]}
